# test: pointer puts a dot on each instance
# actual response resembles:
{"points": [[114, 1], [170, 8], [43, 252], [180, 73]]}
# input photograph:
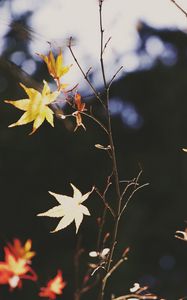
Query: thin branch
{"points": [[95, 120], [103, 195], [101, 45], [119, 262], [106, 44], [78, 253], [113, 157], [127, 187], [131, 195], [84, 74], [142, 297], [114, 76], [179, 7], [88, 71], [105, 203]]}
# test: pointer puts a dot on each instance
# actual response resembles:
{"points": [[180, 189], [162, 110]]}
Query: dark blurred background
{"points": [[149, 117]]}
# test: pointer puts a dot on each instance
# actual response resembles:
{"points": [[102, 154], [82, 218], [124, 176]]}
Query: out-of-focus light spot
{"points": [[116, 106], [146, 62], [127, 111], [154, 47], [13, 281], [3, 84], [147, 280], [29, 66], [130, 116], [167, 262], [18, 57], [169, 56], [131, 62]]}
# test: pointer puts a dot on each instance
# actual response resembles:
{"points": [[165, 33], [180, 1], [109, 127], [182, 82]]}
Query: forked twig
{"points": [[114, 76], [115, 267], [85, 74], [131, 195]]}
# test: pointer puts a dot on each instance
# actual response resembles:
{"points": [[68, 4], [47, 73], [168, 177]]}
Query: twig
{"points": [[78, 253], [142, 297], [114, 76], [101, 45], [105, 203], [96, 120], [179, 7], [119, 262], [103, 195], [113, 157], [106, 44], [85, 74], [88, 71], [131, 195]]}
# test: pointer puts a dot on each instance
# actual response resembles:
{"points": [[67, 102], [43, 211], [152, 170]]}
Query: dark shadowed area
{"points": [[149, 115]]}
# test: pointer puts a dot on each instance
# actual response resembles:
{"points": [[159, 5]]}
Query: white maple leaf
{"points": [[70, 209]]}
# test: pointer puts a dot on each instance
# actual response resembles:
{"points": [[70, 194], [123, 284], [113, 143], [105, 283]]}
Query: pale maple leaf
{"points": [[36, 107], [70, 209]]}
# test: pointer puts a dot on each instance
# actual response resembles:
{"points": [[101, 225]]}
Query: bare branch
{"points": [[106, 44], [85, 74], [111, 81], [142, 297], [101, 45], [119, 262], [179, 7], [131, 195], [95, 120]]}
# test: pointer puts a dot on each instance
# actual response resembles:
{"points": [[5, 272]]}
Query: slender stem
{"points": [[117, 187], [95, 120], [114, 76], [102, 45], [101, 228], [131, 195], [85, 74], [119, 262], [113, 157], [179, 7], [118, 194], [129, 296]]}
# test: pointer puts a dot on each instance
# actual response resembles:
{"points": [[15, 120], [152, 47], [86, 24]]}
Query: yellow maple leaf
{"points": [[55, 67], [36, 107], [70, 209]]}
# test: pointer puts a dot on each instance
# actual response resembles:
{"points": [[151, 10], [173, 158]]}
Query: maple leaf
{"points": [[70, 209], [80, 108], [55, 67], [54, 287], [36, 107], [12, 270], [20, 251]]}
